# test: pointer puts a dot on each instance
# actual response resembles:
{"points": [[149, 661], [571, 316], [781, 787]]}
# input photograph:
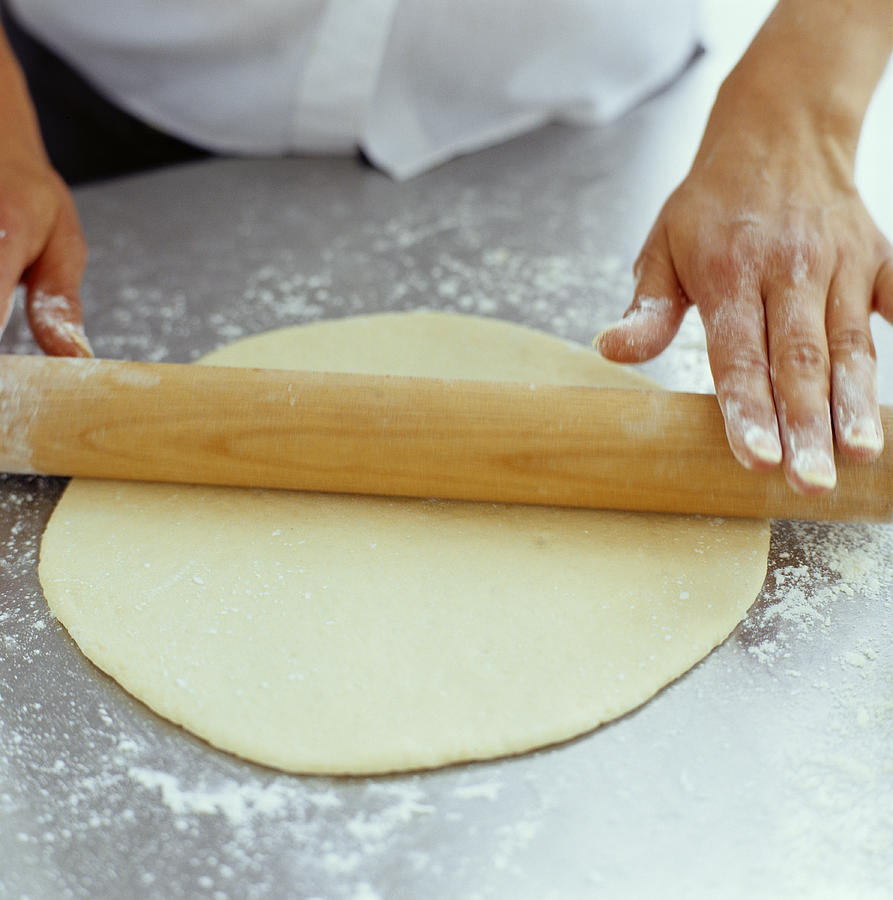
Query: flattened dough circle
{"points": [[335, 634]]}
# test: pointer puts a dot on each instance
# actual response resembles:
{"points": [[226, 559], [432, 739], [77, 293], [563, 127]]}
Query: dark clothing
{"points": [[87, 136]]}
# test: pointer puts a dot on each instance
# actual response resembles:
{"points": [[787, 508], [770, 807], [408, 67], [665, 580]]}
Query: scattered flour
{"points": [[237, 802], [125, 779], [834, 816], [827, 565], [84, 770], [487, 790], [408, 261]]}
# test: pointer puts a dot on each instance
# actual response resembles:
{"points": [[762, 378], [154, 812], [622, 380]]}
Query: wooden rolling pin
{"points": [[418, 437]]}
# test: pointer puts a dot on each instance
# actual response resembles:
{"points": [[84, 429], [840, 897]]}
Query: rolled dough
{"points": [[339, 634]]}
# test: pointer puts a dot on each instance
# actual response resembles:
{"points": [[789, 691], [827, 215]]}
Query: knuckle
{"points": [[797, 261], [648, 257], [653, 260], [727, 272], [736, 322], [77, 250], [883, 286], [851, 343], [12, 216], [801, 356], [735, 373], [29, 205]]}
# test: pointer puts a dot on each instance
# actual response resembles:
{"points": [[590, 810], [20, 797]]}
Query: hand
{"points": [[768, 238], [41, 242], [784, 265], [42, 246]]}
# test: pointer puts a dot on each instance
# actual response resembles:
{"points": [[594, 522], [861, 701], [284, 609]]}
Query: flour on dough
{"points": [[339, 634]]}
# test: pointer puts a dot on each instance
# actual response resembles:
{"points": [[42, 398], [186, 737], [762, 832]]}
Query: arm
{"points": [[41, 242], [768, 237]]}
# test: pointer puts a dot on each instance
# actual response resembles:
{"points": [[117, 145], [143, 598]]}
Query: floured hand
{"points": [[41, 242], [42, 247], [769, 239]]}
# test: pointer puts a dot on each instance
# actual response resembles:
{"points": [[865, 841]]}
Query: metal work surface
{"points": [[765, 771]]}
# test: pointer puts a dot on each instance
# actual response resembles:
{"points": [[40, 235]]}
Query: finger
{"points": [[646, 329], [55, 321], [7, 298], [736, 347], [883, 290], [53, 290], [6, 311], [12, 262], [800, 371], [854, 406], [653, 318]]}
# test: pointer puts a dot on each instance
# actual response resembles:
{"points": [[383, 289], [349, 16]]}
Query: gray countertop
{"points": [[765, 771]]}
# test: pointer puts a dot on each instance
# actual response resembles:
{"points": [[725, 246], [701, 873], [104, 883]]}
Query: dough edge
{"points": [[373, 762]]}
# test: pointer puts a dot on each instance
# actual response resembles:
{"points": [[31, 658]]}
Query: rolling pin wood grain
{"points": [[394, 435]]}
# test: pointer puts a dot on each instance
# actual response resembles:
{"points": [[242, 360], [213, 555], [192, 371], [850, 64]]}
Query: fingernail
{"points": [[597, 340], [49, 312], [863, 434], [75, 333], [815, 467], [763, 444]]}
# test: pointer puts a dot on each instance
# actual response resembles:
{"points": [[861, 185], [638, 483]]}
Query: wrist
{"points": [[798, 123], [809, 74], [21, 128]]}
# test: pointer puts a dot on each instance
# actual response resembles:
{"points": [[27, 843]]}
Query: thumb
{"points": [[53, 290], [883, 290], [654, 316], [55, 320]]}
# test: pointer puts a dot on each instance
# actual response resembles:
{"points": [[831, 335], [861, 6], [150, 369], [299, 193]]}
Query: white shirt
{"points": [[411, 82]]}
